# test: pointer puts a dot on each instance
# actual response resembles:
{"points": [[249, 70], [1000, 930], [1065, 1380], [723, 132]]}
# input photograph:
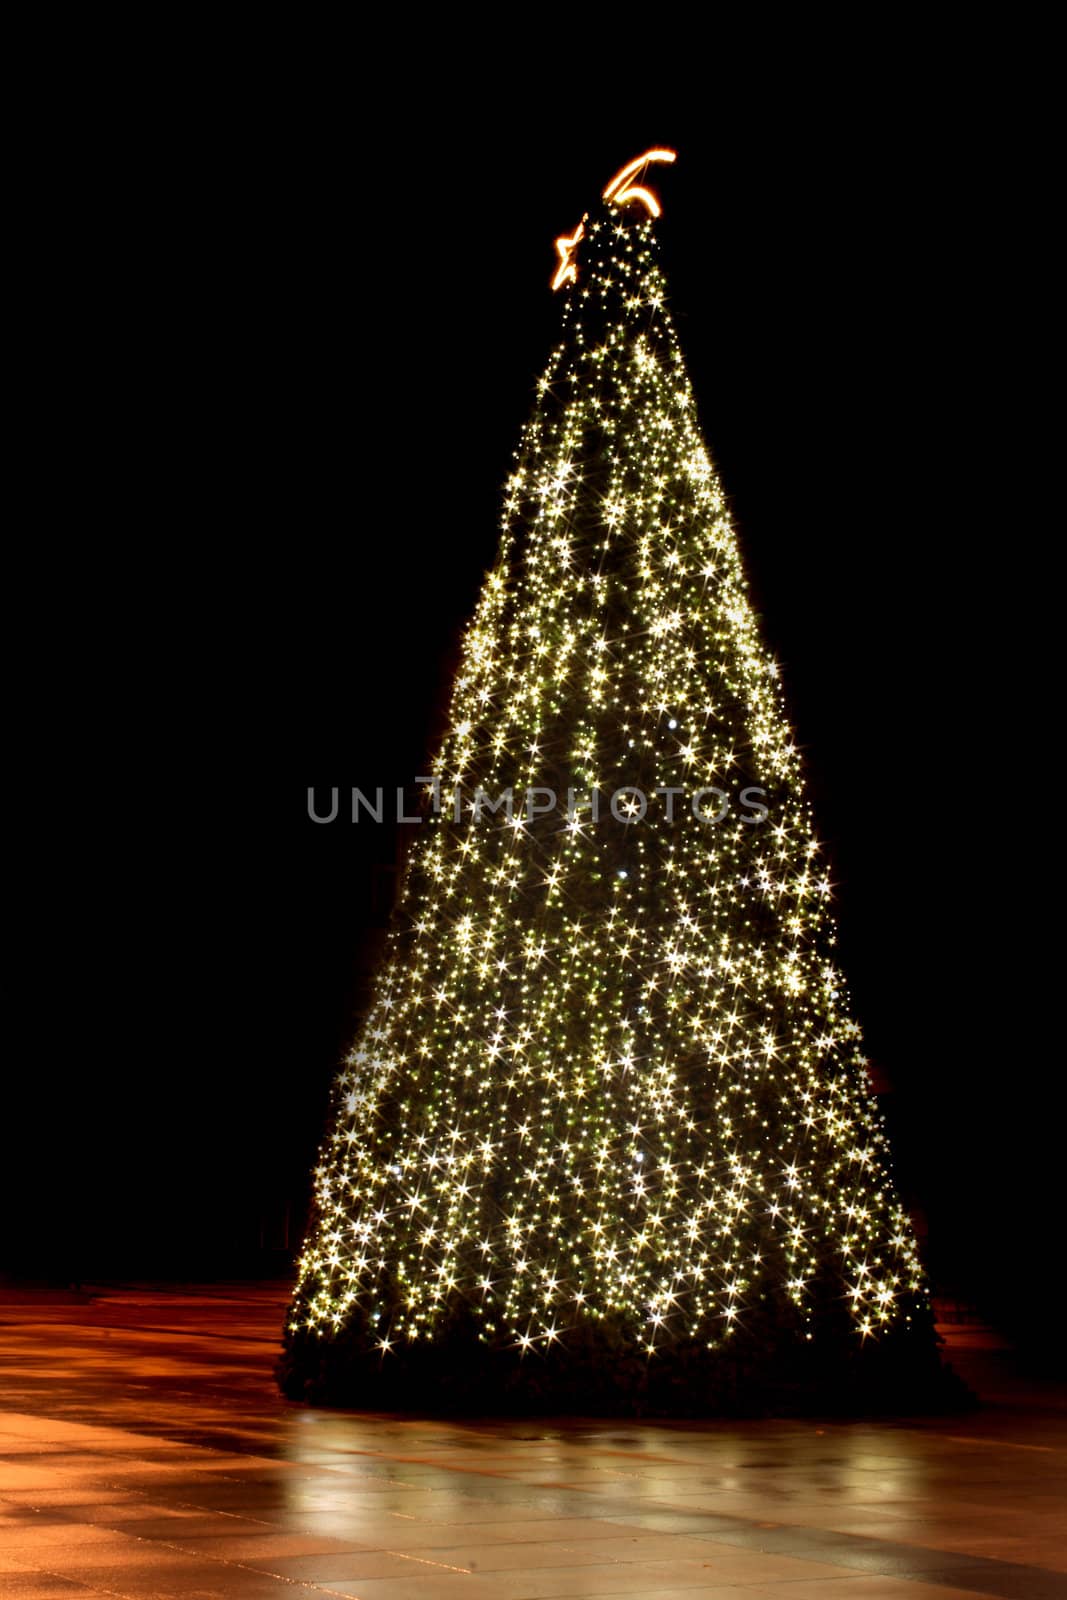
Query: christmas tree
{"points": [[607, 1139]]}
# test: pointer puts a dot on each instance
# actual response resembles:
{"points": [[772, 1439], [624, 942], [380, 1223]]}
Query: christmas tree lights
{"points": [[608, 1130]]}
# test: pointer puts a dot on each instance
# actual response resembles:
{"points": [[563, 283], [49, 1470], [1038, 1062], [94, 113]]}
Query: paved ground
{"points": [[144, 1452]]}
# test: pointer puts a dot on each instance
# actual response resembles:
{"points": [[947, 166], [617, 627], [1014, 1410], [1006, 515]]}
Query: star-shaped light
{"points": [[567, 271]]}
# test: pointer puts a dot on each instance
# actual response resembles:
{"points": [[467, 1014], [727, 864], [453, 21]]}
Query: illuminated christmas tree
{"points": [[607, 1138]]}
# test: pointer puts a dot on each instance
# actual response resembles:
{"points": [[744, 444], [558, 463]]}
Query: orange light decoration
{"points": [[567, 271], [621, 191]]}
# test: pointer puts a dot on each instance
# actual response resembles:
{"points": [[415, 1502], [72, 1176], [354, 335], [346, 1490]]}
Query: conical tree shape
{"points": [[607, 1138]]}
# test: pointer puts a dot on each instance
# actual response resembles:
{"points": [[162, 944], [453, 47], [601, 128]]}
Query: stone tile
{"points": [[13, 1563], [615, 1578], [403, 1534], [67, 1497], [349, 1564], [16, 1476], [873, 1587], [900, 1561], [648, 1584], [443, 1586], [700, 1591], [590, 1552], [39, 1586], [243, 1547], [441, 1503], [1006, 1582], [1050, 1553], [57, 1536], [166, 1579]]}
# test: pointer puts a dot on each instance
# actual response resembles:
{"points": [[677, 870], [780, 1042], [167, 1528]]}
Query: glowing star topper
{"points": [[567, 271], [620, 191]]}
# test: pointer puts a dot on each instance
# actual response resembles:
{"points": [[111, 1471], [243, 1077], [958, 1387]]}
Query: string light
{"points": [[609, 1069]]}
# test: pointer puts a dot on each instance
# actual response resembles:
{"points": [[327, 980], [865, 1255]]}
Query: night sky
{"points": [[320, 359]]}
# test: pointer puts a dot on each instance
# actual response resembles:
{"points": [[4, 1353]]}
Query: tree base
{"points": [[758, 1372]]}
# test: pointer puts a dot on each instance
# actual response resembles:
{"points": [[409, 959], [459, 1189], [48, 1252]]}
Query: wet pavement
{"points": [[145, 1452]]}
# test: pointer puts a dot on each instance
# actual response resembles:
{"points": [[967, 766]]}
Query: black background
{"points": [[297, 342]]}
